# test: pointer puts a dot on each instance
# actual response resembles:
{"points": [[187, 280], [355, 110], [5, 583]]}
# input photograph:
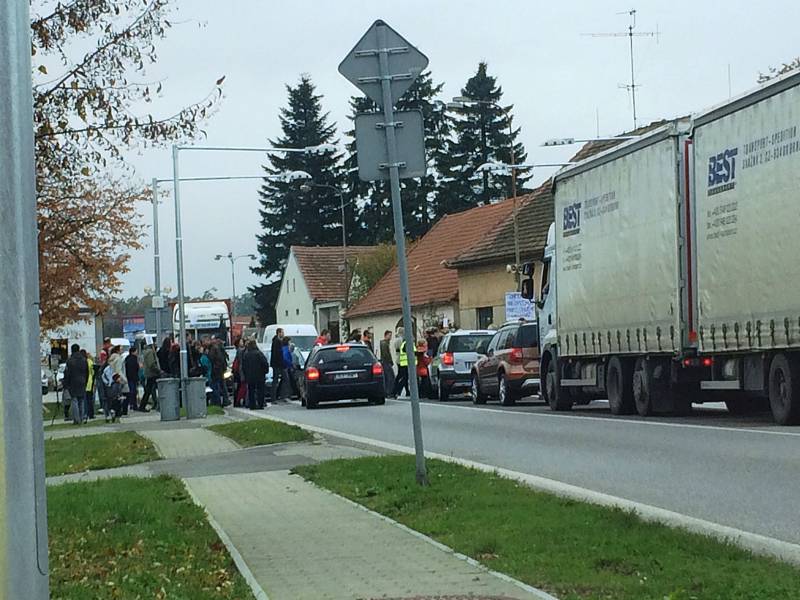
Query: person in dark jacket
{"points": [[254, 369], [219, 365], [76, 375], [174, 360], [132, 375], [163, 354], [288, 365], [276, 362]]}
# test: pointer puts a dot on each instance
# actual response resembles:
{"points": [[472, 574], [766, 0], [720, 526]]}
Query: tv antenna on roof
{"points": [[630, 34]]}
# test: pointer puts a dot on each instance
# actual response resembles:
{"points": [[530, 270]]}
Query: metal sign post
{"points": [[384, 65], [23, 508]]}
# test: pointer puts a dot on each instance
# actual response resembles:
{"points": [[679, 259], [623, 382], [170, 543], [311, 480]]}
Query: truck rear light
{"points": [[312, 374], [708, 361], [448, 359], [516, 354], [377, 370]]}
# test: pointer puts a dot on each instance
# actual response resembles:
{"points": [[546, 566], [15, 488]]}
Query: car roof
{"points": [[461, 332]]}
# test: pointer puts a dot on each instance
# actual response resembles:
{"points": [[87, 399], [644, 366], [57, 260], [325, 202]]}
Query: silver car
{"points": [[451, 367]]}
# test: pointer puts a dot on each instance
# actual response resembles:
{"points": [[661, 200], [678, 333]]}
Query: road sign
{"points": [[373, 157], [362, 65], [383, 65]]}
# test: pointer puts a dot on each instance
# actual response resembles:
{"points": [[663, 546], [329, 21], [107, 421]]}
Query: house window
{"points": [[297, 311], [485, 316], [287, 313], [294, 284]]}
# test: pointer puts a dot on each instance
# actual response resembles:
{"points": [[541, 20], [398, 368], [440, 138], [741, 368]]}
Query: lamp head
{"points": [[218, 257]]}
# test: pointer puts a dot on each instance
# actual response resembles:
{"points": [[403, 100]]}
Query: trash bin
{"points": [[169, 392], [196, 398]]}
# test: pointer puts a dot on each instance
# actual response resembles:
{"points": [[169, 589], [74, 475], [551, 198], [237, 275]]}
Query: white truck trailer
{"points": [[672, 274]]}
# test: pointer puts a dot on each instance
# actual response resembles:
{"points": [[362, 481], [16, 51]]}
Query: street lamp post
{"points": [[233, 260], [176, 182], [462, 101]]}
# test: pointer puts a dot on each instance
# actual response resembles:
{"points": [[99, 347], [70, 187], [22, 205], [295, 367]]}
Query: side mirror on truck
{"points": [[527, 291]]}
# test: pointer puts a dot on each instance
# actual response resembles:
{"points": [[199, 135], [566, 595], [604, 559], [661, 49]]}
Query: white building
{"points": [[86, 332], [313, 285]]}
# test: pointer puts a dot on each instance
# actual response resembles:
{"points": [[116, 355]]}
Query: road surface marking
{"points": [[584, 417]]}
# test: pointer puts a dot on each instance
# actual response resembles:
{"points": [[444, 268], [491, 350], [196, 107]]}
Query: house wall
{"points": [[483, 286], [294, 300], [381, 322]]}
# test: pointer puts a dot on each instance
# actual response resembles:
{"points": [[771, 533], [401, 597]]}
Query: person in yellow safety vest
{"points": [[402, 370]]}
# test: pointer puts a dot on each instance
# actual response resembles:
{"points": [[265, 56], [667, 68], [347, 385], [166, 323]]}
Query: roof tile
{"points": [[323, 268]]}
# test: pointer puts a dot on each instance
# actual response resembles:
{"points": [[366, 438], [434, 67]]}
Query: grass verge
{"points": [[571, 549], [136, 538], [211, 409], [92, 452], [260, 432]]}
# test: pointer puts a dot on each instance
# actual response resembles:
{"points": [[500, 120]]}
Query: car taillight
{"points": [[312, 374], [516, 354], [448, 359], [342, 348], [377, 370]]}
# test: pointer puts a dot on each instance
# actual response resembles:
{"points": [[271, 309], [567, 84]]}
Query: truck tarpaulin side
{"points": [[617, 240]]}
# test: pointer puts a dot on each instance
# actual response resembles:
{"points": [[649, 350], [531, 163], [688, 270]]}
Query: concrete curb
{"points": [[754, 542], [541, 594], [238, 560]]}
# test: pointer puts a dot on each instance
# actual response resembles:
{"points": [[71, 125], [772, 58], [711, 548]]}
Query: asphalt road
{"points": [[738, 472]]}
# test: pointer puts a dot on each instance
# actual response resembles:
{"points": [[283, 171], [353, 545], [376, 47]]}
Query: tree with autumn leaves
{"points": [[87, 113]]}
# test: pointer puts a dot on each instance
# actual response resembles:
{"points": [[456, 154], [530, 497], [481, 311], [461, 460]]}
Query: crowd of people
{"points": [[113, 380]]}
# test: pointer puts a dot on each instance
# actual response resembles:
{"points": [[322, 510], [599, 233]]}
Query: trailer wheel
{"points": [[558, 398], [784, 390], [619, 386], [642, 387]]}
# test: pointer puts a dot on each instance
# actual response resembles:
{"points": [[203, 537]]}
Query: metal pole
{"points": [[344, 256], [176, 182], [514, 200], [156, 259], [23, 508], [400, 241], [633, 80], [233, 286]]}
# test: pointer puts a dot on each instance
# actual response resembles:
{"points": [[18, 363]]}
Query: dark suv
{"points": [[342, 372], [510, 369]]}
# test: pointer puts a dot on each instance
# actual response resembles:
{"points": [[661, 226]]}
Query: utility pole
{"points": [[630, 34], [23, 507]]}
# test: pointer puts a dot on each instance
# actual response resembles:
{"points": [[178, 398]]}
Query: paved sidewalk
{"points": [[301, 542], [182, 443]]}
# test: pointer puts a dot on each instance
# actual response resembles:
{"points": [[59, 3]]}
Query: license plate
{"points": [[341, 376]]}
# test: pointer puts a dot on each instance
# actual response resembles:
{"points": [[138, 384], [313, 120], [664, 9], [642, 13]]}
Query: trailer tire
{"points": [[642, 388], [784, 390], [558, 398], [619, 386]]}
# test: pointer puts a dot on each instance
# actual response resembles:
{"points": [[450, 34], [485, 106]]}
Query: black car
{"points": [[342, 372]]}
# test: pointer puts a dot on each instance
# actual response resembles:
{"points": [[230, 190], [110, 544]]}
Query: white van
{"points": [[303, 337]]}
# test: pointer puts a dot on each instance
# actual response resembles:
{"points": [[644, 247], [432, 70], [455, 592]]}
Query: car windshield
{"points": [[337, 357], [469, 343], [304, 343]]}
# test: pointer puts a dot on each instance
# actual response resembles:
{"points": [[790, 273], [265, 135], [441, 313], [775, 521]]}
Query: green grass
{"points": [[260, 432], [571, 549], [211, 409], [91, 452], [135, 538]]}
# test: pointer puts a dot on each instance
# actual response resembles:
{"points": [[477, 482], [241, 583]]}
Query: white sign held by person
{"points": [[518, 307]]}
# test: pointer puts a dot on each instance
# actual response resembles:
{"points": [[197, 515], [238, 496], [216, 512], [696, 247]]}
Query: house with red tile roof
{"points": [[433, 286], [314, 285]]}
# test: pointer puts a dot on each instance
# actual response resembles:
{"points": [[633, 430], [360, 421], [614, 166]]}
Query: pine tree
{"points": [[291, 215], [481, 135], [420, 196]]}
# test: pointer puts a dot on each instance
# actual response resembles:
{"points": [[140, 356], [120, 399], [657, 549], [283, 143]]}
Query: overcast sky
{"points": [[557, 79]]}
